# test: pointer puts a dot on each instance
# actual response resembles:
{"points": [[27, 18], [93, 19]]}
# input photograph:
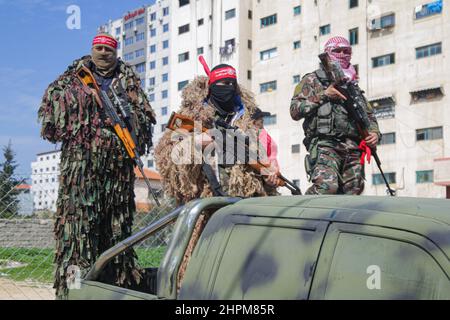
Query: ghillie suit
{"points": [[95, 205], [186, 182]]}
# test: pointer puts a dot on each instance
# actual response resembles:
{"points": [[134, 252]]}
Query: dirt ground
{"points": [[10, 290]]}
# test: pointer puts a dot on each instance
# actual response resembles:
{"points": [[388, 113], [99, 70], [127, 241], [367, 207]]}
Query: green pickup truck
{"points": [[302, 247]]}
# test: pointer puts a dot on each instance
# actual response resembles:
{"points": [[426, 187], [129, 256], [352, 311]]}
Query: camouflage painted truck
{"points": [[305, 247]]}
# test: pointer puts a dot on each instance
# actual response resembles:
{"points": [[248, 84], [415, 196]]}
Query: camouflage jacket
{"points": [[70, 114], [324, 119]]}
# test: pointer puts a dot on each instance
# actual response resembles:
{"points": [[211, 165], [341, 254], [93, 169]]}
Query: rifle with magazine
{"points": [[355, 104], [178, 121], [122, 127]]}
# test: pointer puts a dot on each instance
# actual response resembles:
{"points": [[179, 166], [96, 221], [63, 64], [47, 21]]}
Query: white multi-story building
{"points": [[44, 180], [399, 49]]}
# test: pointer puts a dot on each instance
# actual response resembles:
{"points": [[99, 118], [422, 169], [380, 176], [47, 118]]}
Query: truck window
{"points": [[370, 267], [267, 262]]}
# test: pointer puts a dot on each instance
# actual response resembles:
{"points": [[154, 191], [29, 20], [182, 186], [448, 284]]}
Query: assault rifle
{"points": [[355, 104], [122, 127], [178, 121]]}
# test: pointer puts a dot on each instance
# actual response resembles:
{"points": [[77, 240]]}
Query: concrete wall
{"points": [[26, 233]]}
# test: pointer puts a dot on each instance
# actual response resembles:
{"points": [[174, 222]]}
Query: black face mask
{"points": [[223, 97]]}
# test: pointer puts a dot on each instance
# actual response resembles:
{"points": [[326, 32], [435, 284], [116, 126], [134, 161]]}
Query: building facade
{"points": [[399, 49], [45, 180]]}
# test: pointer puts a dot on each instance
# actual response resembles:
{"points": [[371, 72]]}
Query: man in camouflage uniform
{"points": [[95, 203], [331, 136], [207, 100]]}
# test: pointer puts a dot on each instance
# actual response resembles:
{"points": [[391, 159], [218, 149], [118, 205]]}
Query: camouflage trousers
{"points": [[337, 169]]}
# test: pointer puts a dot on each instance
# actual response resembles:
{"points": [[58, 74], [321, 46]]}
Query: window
{"points": [[128, 56], [200, 51], [119, 45], [151, 97], [182, 57], [426, 95], [164, 94], [183, 2], [129, 41], [182, 84], [388, 21], [152, 65], [142, 83], [268, 86], [249, 74], [249, 44], [163, 127], [324, 30], [200, 22], [250, 14], [166, 11], [165, 44], [428, 51], [153, 48], [429, 134], [270, 120], [152, 81], [377, 179], [153, 16], [268, 21], [384, 108], [118, 30], [297, 44], [140, 36], [140, 67], [295, 148], [428, 9], [268, 54], [383, 60], [230, 14], [128, 25], [150, 163], [183, 29], [424, 176], [139, 21], [297, 10], [165, 77], [374, 246], [140, 53], [153, 32], [165, 27], [387, 138], [165, 61], [353, 35], [164, 111], [296, 79], [353, 3]]}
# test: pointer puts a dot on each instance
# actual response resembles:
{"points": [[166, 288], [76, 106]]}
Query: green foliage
{"points": [[8, 194]]}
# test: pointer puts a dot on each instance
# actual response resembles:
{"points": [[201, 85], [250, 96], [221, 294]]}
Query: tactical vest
{"points": [[332, 120]]}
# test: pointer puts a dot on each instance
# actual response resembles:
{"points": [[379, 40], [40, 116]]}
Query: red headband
{"points": [[219, 74], [105, 40]]}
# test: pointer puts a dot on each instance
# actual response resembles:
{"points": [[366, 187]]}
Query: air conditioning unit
{"points": [[375, 24], [135, 30]]}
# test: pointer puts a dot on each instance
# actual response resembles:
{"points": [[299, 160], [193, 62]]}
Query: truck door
{"points": [[367, 262], [255, 258]]}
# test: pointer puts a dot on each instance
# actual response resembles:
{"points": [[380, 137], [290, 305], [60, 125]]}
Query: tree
{"points": [[8, 183]]}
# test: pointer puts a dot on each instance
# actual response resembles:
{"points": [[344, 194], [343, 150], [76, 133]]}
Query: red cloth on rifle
{"points": [[366, 152]]}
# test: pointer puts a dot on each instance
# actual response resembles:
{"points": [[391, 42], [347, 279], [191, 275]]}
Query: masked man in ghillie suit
{"points": [[207, 100], [95, 204], [331, 136]]}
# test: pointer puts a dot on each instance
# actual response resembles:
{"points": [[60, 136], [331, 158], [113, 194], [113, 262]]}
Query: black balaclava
{"points": [[223, 96]]}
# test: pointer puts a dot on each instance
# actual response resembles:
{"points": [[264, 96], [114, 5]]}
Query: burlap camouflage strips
{"points": [[187, 181], [331, 137], [95, 203]]}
